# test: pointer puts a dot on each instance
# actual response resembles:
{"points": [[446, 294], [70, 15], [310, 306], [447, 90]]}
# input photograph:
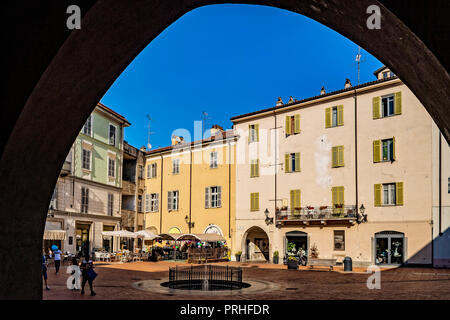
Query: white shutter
{"points": [[207, 197], [147, 203], [157, 202], [169, 200], [219, 197]]}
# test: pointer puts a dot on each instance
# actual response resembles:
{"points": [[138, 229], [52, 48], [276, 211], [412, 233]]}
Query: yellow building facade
{"points": [[190, 187]]}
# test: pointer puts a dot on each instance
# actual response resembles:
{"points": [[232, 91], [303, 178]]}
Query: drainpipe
{"points": [[356, 151], [190, 190], [161, 197], [229, 189], [275, 164]]}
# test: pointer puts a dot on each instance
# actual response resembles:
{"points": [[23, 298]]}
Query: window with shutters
{"points": [[154, 202], [111, 168], [384, 150], [110, 204], [292, 162], [176, 166], [254, 168], [387, 146], [112, 135], [337, 156], [140, 171], [84, 200], [295, 196], [254, 201], [387, 105], [389, 194], [292, 125], [334, 116], [339, 240], [173, 200], [338, 199], [87, 128], [139, 203], [253, 135], [151, 170], [213, 197], [213, 160], [86, 159]]}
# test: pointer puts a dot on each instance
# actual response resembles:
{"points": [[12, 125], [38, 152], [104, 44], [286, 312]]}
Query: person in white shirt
{"points": [[57, 253]]}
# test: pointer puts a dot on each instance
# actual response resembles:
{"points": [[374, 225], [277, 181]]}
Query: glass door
{"points": [[389, 248]]}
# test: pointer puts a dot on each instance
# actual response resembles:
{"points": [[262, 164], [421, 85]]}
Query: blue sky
{"points": [[229, 60]]}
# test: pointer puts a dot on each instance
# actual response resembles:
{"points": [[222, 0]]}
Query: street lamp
{"points": [[362, 217], [190, 224], [268, 220]]}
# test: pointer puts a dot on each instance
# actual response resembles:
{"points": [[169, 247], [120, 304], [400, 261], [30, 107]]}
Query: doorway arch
{"points": [[255, 245], [70, 75]]}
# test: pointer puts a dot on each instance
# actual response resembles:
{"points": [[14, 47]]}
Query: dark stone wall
{"points": [[53, 79]]}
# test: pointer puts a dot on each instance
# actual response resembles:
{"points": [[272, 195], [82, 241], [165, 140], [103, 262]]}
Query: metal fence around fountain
{"points": [[205, 277]]}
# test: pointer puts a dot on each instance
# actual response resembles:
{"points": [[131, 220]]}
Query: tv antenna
{"points": [[149, 146], [358, 62], [205, 117]]}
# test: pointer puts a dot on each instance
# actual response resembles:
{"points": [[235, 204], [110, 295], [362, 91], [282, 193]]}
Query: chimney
{"points": [[143, 149], [348, 84], [176, 140], [215, 129], [291, 99], [322, 91], [279, 102]]}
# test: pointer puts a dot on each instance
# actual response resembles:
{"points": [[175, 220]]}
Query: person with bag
{"points": [[88, 274], [44, 269]]}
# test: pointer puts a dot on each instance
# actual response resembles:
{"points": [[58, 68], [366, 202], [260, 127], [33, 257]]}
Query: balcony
{"points": [[324, 215], [128, 187]]}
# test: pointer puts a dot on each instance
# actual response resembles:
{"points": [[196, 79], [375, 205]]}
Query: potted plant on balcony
{"points": [[292, 263], [276, 257], [238, 256]]}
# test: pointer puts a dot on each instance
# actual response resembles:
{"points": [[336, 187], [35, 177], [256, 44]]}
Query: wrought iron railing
{"points": [[317, 213], [205, 277]]}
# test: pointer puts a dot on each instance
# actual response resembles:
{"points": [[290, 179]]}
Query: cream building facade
{"points": [[311, 164]]}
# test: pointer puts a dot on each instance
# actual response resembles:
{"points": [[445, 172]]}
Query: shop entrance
{"points": [[108, 241], [256, 245], [82, 235], [389, 248], [294, 242]]}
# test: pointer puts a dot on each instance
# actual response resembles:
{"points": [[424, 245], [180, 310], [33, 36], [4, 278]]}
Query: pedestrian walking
{"points": [[44, 270], [88, 274], [57, 257]]}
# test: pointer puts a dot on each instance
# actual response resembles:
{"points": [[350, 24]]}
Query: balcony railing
{"points": [[320, 215]]}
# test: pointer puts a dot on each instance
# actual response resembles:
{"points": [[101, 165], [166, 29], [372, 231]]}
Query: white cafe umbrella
{"points": [[148, 235], [122, 234]]}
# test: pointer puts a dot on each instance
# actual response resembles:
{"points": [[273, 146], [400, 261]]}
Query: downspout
{"points": [[190, 189], [229, 189], [356, 152], [161, 198], [275, 164]]}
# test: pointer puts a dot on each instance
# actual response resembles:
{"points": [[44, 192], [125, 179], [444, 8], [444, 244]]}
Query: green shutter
{"points": [[334, 196], [297, 123], [334, 157], [341, 156], [288, 125], [256, 201], [376, 107], [252, 202], [399, 193], [286, 162], [292, 196], [252, 169], [257, 131], [249, 132], [398, 103], [393, 148], [298, 199], [327, 117], [341, 196], [297, 161], [295, 201], [257, 168], [377, 151], [340, 115], [377, 195]]}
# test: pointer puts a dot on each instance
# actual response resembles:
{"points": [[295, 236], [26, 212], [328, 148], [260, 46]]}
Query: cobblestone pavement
{"points": [[115, 281]]}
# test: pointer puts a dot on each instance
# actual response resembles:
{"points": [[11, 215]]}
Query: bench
{"points": [[322, 263]]}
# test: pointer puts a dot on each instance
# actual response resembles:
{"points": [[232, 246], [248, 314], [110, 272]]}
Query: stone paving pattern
{"points": [[114, 282]]}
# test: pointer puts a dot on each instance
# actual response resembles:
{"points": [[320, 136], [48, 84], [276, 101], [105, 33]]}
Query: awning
{"points": [[148, 235], [54, 235], [122, 234], [169, 236], [205, 237]]}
